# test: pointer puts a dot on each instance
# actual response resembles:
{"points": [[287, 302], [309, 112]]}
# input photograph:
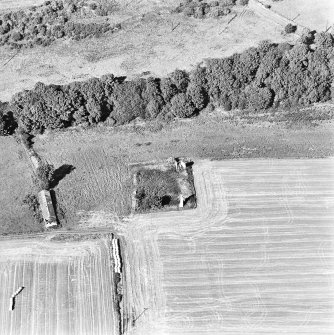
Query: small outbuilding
{"points": [[47, 209]]}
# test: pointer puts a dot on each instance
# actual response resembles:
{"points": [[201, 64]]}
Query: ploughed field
{"points": [[255, 257], [68, 288]]}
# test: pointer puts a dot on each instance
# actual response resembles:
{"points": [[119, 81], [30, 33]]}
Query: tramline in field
{"points": [[68, 288], [255, 257]]}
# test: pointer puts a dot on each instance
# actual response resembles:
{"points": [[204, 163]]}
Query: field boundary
{"points": [[274, 16]]}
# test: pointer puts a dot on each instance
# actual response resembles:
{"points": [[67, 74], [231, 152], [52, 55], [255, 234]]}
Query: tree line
{"points": [[201, 9], [268, 76]]}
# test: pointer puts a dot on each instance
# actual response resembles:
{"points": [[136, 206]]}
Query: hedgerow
{"points": [[271, 75], [44, 176]]}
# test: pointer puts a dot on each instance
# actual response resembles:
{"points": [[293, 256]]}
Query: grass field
{"points": [[68, 288], [16, 183], [98, 191], [6, 5], [255, 257], [100, 185], [146, 42]]}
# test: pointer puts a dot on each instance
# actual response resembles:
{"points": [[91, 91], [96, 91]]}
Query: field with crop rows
{"points": [[255, 257], [68, 288]]}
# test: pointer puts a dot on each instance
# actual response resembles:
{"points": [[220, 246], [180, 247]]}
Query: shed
{"points": [[47, 209]]}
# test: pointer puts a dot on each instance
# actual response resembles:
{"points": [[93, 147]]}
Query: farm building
{"points": [[46, 206]]}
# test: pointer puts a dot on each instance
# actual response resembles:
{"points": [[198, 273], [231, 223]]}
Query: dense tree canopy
{"points": [[182, 106], [271, 75], [204, 9], [7, 120], [128, 101]]}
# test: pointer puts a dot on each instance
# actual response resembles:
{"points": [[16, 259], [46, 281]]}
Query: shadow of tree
{"points": [[60, 174]]}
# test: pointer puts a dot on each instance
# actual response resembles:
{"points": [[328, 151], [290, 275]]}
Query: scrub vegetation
{"points": [[42, 25], [156, 189]]}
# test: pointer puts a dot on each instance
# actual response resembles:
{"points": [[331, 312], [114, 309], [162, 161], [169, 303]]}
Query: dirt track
{"points": [[270, 15], [255, 257], [68, 288]]}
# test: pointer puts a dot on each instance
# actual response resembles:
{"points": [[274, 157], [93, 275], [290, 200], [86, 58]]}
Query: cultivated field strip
{"points": [[255, 257], [68, 289]]}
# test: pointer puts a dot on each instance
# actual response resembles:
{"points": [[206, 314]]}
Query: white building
{"points": [[46, 206]]}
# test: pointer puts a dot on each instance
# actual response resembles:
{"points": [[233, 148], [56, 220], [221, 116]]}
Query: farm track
{"points": [[270, 14], [255, 257], [68, 288]]}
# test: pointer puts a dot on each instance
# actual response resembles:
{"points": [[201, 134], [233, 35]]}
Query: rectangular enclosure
{"points": [[163, 186]]}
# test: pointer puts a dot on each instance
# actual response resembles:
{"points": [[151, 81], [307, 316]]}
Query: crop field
{"points": [[68, 288], [255, 257]]}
